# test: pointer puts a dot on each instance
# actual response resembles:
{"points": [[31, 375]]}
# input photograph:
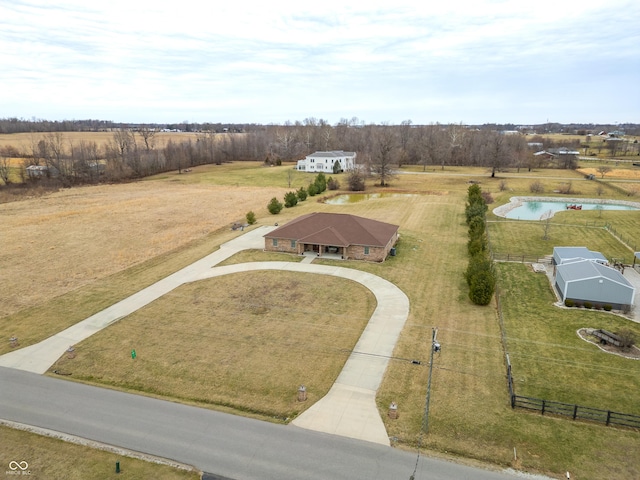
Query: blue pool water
{"points": [[534, 210]]}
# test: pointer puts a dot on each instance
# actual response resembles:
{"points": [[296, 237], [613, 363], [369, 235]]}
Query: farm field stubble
{"points": [[67, 239], [23, 141]]}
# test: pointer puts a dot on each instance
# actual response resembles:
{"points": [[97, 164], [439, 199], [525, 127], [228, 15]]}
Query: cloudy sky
{"points": [[470, 61]]}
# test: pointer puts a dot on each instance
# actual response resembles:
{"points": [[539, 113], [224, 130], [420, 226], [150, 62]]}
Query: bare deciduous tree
{"points": [[148, 136], [4, 168], [404, 137], [603, 170], [536, 187], [546, 225], [456, 134], [383, 156], [496, 152]]}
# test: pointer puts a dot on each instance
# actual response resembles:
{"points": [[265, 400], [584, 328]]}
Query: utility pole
{"points": [[435, 347]]}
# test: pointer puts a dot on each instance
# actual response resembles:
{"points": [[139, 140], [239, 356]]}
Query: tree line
{"points": [[133, 153]]}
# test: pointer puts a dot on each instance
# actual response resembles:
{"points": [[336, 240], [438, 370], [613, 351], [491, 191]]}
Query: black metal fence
{"points": [[576, 412], [518, 257], [549, 407]]}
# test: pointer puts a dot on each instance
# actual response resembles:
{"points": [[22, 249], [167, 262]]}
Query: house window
{"points": [[275, 242], [366, 250], [293, 244]]}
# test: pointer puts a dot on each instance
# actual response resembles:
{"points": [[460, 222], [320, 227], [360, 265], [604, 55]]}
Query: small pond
{"points": [[360, 197], [539, 209]]}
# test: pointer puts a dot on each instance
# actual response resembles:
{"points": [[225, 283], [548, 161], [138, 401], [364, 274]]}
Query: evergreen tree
{"points": [[274, 206]]}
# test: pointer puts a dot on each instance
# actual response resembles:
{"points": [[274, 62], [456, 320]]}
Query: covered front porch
{"points": [[325, 251]]}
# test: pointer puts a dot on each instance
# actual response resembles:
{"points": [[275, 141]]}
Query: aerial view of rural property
{"points": [[284, 241]]}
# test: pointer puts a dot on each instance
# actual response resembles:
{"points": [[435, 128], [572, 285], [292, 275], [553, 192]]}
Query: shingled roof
{"points": [[336, 229]]}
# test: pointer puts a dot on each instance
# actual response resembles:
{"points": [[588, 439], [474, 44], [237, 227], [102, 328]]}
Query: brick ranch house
{"points": [[351, 237]]}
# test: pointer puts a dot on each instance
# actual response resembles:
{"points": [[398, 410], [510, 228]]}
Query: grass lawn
{"points": [[549, 360], [53, 458], [285, 339], [243, 341], [526, 237]]}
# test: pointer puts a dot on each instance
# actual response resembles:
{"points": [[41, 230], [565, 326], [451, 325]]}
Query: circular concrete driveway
{"points": [[349, 409]]}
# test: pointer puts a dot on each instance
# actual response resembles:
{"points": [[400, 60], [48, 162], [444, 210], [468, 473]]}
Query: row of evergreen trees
{"points": [[291, 199], [480, 274]]}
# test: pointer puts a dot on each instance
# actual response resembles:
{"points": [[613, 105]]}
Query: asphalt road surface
{"points": [[225, 445]]}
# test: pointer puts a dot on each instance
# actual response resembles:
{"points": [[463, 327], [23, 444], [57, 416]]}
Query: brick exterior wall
{"points": [[376, 254], [284, 245], [353, 252]]}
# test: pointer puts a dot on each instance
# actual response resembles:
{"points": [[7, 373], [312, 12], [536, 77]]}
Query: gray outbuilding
{"points": [[589, 281], [563, 255]]}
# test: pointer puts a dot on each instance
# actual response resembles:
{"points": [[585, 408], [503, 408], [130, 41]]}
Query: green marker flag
{"points": [[133, 354]]}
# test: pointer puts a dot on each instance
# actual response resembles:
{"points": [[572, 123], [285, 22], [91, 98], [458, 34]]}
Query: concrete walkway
{"points": [[634, 279], [349, 408]]}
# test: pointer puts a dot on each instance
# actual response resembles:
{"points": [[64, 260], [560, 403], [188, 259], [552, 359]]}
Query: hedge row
{"points": [[480, 274]]}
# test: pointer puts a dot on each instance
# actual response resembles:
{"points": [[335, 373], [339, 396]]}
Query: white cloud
{"points": [[471, 61]]}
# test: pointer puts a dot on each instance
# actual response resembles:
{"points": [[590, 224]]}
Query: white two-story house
{"points": [[324, 162]]}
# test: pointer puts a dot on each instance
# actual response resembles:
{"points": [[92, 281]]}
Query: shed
{"points": [[588, 281], [563, 255]]}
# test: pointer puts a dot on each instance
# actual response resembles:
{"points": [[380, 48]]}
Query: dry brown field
{"points": [[23, 141], [624, 173], [64, 240]]}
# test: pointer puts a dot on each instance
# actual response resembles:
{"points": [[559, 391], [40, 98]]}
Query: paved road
{"points": [[226, 445]]}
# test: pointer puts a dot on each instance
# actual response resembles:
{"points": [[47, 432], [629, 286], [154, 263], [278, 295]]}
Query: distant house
{"points": [[589, 281], [39, 171], [562, 255], [348, 236], [559, 153], [324, 161]]}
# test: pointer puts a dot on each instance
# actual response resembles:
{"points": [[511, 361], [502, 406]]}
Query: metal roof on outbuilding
{"points": [[572, 254], [586, 269]]}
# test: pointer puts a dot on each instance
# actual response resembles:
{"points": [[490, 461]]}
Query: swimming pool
{"points": [[532, 208]]}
